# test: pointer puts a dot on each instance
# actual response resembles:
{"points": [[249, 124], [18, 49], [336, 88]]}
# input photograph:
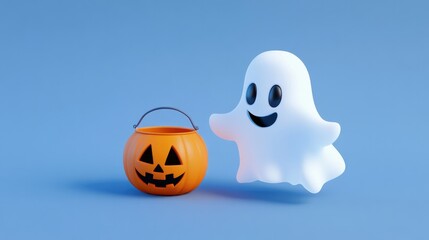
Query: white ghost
{"points": [[279, 133]]}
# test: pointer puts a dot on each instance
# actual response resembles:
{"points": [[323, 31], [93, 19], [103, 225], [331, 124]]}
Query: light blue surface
{"points": [[75, 77]]}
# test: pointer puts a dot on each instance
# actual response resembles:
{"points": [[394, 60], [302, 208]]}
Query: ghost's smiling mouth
{"points": [[265, 121], [169, 179]]}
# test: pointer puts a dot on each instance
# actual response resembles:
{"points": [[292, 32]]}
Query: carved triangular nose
{"points": [[158, 169]]}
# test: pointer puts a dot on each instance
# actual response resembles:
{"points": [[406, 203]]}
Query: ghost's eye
{"points": [[275, 96], [251, 94]]}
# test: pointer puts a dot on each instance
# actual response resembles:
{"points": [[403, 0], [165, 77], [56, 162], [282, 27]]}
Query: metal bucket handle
{"points": [[170, 108]]}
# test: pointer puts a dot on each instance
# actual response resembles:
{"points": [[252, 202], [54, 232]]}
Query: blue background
{"points": [[75, 76]]}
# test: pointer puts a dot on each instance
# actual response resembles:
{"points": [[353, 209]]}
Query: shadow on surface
{"points": [[263, 192], [273, 193], [118, 187]]}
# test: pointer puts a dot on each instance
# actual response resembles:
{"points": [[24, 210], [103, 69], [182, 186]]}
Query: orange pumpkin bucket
{"points": [[165, 160]]}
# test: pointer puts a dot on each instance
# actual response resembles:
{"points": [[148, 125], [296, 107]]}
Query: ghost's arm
{"points": [[223, 125], [314, 129], [327, 132]]}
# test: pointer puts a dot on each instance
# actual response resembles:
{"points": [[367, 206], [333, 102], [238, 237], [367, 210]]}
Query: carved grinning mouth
{"points": [[265, 121], [169, 179]]}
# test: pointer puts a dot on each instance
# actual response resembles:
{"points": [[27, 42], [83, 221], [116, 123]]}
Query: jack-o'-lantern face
{"points": [[173, 169], [165, 160]]}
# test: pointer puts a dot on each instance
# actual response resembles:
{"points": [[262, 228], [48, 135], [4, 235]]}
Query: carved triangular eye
{"points": [[172, 158], [147, 155]]}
